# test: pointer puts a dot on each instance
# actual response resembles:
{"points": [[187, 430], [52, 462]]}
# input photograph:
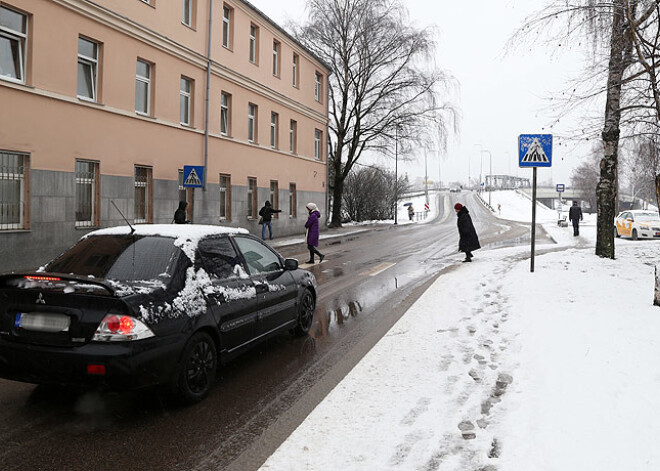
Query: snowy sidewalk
{"points": [[497, 368]]}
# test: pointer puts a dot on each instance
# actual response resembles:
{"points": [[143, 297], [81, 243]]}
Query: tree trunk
{"points": [[606, 191], [337, 189], [657, 190]]}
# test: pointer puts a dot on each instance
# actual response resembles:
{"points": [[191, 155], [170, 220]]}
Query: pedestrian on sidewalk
{"points": [[468, 239], [411, 212], [575, 216], [180, 214], [312, 237], [266, 214]]}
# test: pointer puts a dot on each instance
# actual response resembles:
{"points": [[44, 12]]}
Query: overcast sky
{"points": [[500, 95]]}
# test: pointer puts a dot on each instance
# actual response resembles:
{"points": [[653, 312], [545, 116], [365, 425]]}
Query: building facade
{"points": [[104, 102]]}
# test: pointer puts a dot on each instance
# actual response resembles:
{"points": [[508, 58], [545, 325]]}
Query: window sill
{"points": [[144, 115], [15, 231], [87, 228]]}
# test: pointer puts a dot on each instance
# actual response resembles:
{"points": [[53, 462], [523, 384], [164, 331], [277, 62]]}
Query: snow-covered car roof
{"points": [[189, 231], [186, 235]]}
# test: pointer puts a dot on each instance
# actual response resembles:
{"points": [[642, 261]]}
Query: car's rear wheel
{"points": [[634, 234], [616, 232], [197, 368], [305, 314]]}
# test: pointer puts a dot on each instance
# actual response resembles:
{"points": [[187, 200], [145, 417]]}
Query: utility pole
{"points": [[396, 172]]}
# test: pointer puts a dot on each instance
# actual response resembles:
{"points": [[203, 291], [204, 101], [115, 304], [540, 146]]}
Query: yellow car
{"points": [[637, 223]]}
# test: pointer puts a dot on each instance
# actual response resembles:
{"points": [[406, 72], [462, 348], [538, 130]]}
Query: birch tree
{"points": [[623, 31], [383, 90]]}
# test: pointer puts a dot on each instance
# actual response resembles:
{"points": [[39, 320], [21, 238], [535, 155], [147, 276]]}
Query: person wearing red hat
{"points": [[468, 239]]}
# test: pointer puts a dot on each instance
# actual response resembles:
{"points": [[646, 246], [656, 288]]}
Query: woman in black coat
{"points": [[469, 240]]}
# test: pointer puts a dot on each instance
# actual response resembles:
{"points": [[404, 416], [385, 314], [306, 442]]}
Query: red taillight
{"points": [[42, 278], [112, 323], [96, 369], [120, 324], [126, 325]]}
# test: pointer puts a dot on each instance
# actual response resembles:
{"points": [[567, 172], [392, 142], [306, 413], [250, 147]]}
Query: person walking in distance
{"points": [[266, 214], [312, 226], [468, 239], [180, 213], [575, 216]]}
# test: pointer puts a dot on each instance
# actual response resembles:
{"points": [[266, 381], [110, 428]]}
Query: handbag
{"points": [[261, 220]]}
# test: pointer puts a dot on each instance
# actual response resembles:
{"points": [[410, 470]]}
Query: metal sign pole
{"points": [[533, 218]]}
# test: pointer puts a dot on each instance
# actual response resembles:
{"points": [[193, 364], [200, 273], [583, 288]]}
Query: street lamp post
{"points": [[396, 172], [490, 156]]}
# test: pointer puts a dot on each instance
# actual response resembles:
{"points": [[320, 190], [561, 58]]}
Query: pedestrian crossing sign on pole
{"points": [[535, 150], [193, 176]]}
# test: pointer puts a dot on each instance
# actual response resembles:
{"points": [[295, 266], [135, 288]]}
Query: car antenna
{"points": [[122, 215]]}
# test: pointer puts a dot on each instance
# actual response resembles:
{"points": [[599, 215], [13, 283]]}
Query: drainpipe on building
{"points": [[208, 92], [329, 146]]}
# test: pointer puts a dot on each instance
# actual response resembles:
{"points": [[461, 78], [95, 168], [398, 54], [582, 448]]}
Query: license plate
{"points": [[42, 322]]}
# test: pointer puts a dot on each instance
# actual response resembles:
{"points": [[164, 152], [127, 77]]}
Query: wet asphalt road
{"points": [[366, 283]]}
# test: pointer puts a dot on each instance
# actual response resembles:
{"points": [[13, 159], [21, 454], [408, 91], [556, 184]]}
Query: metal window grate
{"points": [[12, 190], [86, 175]]}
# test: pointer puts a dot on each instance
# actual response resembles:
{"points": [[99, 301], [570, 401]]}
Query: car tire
{"points": [[634, 234], [197, 368], [616, 232], [306, 308]]}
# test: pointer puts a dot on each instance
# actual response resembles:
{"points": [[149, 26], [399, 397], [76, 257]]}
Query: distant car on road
{"points": [[454, 190], [160, 305], [637, 224]]}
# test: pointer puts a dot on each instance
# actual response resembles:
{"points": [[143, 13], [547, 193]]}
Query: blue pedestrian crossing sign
{"points": [[535, 150], [193, 176]]}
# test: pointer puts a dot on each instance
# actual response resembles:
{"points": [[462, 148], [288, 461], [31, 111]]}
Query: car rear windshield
{"points": [[118, 257]]}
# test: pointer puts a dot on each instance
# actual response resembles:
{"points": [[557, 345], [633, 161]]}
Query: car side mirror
{"points": [[290, 264]]}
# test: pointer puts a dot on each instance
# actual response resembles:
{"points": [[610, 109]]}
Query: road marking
{"points": [[380, 268]]}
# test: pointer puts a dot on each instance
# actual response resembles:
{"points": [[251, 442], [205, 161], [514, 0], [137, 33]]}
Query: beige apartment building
{"points": [[103, 103]]}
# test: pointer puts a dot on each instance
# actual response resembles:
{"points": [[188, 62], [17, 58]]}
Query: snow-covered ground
{"points": [[497, 368]]}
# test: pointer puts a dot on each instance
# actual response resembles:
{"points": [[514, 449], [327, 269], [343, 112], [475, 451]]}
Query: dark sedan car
{"points": [[155, 305]]}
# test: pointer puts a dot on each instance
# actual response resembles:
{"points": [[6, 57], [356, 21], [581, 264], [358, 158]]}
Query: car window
{"points": [[218, 257], [259, 257], [118, 257]]}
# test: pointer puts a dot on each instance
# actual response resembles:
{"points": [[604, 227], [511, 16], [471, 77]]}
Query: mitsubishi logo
{"points": [[40, 299]]}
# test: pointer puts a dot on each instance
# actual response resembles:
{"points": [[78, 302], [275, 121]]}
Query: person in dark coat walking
{"points": [[575, 216], [312, 226], [266, 214], [468, 239], [180, 214]]}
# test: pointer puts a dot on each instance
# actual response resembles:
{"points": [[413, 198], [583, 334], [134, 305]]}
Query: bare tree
{"points": [[585, 178], [631, 90], [642, 166], [382, 92], [369, 193]]}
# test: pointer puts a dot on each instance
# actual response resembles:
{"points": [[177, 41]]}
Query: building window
{"points": [[293, 136], [185, 95], [274, 196], [87, 190], [296, 60], [187, 14], [276, 58], [143, 195], [318, 149], [13, 190], [226, 26], [293, 200], [225, 197], [254, 44], [143, 88], [225, 113], [252, 197], [318, 86], [13, 38], [274, 127], [88, 53], [253, 111]]}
